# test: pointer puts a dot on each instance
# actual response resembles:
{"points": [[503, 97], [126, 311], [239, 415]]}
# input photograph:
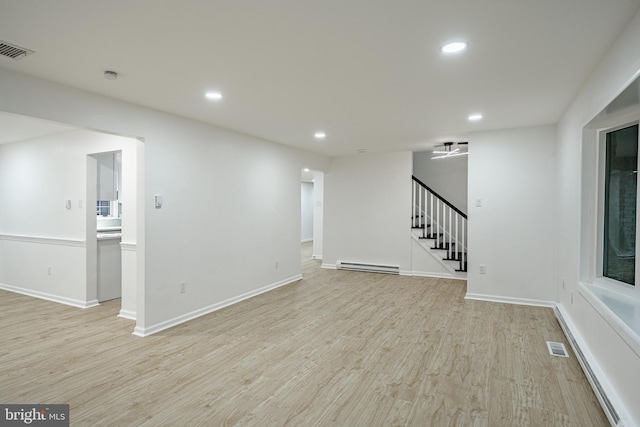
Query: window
{"points": [[609, 277], [620, 201], [103, 208]]}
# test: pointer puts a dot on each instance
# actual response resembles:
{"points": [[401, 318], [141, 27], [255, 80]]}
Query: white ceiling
{"points": [[368, 72]]}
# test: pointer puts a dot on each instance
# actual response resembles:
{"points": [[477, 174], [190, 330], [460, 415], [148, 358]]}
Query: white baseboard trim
{"points": [[314, 256], [510, 300], [50, 297], [127, 314], [329, 266], [146, 331], [306, 240], [603, 390], [436, 275], [409, 273]]}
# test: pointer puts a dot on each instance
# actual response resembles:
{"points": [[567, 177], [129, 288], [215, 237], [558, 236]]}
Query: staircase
{"points": [[440, 227]]}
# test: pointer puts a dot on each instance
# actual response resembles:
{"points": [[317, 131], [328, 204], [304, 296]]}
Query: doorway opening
{"points": [[312, 209], [50, 171]]}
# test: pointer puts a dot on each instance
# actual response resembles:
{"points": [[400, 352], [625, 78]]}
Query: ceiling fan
{"points": [[450, 149]]}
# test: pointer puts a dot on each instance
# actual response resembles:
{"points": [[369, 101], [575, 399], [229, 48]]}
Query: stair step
{"points": [[455, 256], [445, 246], [431, 236], [421, 227], [463, 268]]}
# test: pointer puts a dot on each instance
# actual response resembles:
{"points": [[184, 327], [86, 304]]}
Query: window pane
{"points": [[620, 205]]}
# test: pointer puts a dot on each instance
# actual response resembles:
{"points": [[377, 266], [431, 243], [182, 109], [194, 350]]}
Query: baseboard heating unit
{"points": [[599, 391], [369, 268]]}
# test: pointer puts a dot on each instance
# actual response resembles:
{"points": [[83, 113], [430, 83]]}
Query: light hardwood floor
{"points": [[336, 349]]}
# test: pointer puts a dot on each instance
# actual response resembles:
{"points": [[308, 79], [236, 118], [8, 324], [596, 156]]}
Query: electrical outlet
{"points": [[80, 204], [483, 269], [48, 270], [571, 297], [276, 265], [563, 283], [183, 287]]}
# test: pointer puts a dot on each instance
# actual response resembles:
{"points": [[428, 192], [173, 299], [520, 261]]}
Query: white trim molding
{"points": [[146, 331], [510, 300], [43, 240], [127, 314], [128, 246], [328, 266], [50, 297], [436, 275]]}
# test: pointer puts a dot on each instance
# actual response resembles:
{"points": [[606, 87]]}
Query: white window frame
{"points": [[599, 279], [617, 302]]}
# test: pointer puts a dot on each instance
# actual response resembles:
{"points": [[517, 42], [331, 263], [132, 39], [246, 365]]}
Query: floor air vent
{"points": [[369, 268], [557, 349], [12, 51], [609, 410]]}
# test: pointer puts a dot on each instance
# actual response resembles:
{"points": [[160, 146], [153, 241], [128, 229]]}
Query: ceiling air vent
{"points": [[12, 51]]}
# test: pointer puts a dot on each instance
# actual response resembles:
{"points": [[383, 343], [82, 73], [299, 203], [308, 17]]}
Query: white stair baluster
{"points": [[413, 204], [457, 241], [431, 214], [423, 211], [449, 230], [437, 223], [420, 207], [463, 248]]}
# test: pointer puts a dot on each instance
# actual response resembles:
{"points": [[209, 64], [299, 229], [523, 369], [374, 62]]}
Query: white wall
{"points": [[614, 357], [367, 210], [512, 172], [306, 211], [318, 214], [447, 177], [231, 202], [37, 179]]}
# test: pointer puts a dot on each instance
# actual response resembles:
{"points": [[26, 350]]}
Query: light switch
{"points": [[478, 203], [158, 200]]}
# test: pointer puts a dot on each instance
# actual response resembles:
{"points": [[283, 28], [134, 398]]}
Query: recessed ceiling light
{"points": [[306, 169], [215, 96], [319, 135], [110, 75], [475, 117], [454, 47]]}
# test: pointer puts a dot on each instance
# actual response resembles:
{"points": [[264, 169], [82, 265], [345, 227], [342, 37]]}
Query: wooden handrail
{"points": [[445, 201]]}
